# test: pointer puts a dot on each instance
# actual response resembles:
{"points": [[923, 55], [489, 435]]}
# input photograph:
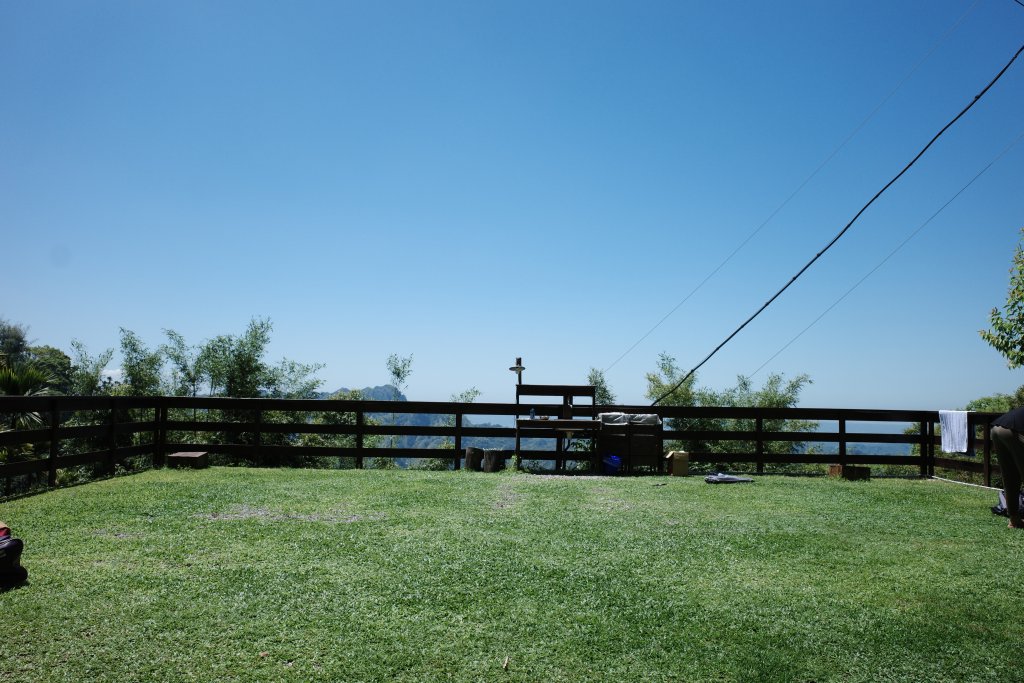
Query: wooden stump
{"points": [[474, 459], [494, 461], [850, 472]]}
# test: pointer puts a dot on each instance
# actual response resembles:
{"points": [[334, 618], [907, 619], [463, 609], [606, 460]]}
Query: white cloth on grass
{"points": [[954, 430]]}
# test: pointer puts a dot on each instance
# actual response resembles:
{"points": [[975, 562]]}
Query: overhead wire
{"points": [[842, 232], [892, 253], [801, 186]]}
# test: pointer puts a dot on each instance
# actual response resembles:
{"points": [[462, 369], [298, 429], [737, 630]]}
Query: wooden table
{"points": [[557, 429]]}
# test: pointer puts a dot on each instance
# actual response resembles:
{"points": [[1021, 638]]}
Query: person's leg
{"points": [[1010, 451]]}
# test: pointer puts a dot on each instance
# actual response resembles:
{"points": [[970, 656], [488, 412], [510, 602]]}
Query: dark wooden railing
{"points": [[104, 431]]}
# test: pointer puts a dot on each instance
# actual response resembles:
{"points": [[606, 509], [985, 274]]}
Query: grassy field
{"points": [[299, 575]]}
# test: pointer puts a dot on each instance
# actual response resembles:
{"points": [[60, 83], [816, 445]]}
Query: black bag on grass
{"points": [[11, 571]]}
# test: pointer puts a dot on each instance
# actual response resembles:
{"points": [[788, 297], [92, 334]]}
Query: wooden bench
{"points": [[195, 460]]}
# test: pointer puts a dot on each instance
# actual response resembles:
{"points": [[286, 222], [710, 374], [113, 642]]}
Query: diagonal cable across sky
{"points": [[892, 253], [765, 305], [867, 119]]}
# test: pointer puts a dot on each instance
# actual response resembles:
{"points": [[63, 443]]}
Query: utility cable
{"points": [[842, 232], [891, 254], [806, 180]]}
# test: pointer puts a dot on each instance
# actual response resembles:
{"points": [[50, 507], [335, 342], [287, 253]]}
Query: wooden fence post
{"points": [[156, 433], [458, 438], [926, 447], [161, 444], [931, 449], [112, 438], [258, 447], [842, 441], [759, 444], [51, 477], [359, 438]]}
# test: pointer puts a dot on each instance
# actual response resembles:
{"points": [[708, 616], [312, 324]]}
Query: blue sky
{"points": [[468, 182]]}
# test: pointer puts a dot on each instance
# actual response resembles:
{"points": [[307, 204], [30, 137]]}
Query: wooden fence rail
{"points": [[103, 431]]}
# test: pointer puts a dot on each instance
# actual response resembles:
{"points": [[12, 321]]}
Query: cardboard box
{"points": [[678, 463]]}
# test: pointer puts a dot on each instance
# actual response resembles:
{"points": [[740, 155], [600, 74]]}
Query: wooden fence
{"points": [[104, 431]]}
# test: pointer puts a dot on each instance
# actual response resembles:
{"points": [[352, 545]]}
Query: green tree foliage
{"points": [[777, 392], [32, 369], [56, 364], [603, 396], [141, 368], [399, 369], [997, 403], [87, 378], [235, 366], [13, 342], [666, 376], [187, 369], [1006, 334], [23, 379]]}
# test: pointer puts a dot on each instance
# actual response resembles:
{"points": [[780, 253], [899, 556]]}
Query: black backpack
{"points": [[11, 571]]}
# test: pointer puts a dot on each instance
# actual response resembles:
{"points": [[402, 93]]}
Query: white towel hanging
{"points": [[954, 430]]}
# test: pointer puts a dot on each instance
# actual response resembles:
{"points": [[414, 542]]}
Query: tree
{"points": [[1006, 334], [666, 376], [291, 379], [24, 379], [54, 363], [187, 370], [140, 368], [777, 392], [13, 342], [399, 368], [603, 395], [87, 371], [997, 403], [235, 365]]}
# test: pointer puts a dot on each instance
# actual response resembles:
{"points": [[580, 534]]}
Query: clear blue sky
{"points": [[468, 182]]}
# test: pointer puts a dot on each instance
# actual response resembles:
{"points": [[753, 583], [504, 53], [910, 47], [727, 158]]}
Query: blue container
{"points": [[611, 464]]}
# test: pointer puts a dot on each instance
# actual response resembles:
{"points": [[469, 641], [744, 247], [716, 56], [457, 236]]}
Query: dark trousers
{"points": [[1010, 451]]}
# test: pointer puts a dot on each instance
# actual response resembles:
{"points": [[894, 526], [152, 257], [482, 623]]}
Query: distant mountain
{"points": [[863, 448], [389, 393], [380, 393]]}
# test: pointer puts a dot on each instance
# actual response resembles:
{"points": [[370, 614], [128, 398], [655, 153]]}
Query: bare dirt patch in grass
{"points": [[507, 496]]}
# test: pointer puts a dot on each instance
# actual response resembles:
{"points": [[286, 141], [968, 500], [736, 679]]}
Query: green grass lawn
{"points": [[299, 575]]}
